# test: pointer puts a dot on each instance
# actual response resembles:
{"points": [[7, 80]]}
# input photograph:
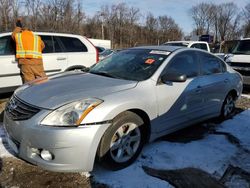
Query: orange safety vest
{"points": [[28, 45]]}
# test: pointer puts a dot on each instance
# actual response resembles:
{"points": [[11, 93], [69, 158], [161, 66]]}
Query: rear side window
{"points": [[71, 44], [7, 46], [185, 63], [211, 64]]}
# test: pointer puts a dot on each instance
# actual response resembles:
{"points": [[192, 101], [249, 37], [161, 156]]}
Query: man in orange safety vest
{"points": [[28, 52]]}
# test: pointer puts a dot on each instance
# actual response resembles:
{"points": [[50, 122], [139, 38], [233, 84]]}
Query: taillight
{"points": [[96, 51], [97, 55]]}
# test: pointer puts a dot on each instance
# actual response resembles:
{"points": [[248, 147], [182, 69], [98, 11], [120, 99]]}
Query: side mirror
{"points": [[173, 77]]}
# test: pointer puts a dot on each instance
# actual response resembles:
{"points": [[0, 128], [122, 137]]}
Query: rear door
{"points": [[79, 52], [54, 59], [214, 80]]}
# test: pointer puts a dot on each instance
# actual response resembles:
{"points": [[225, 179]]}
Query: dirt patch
{"points": [[18, 173], [185, 178], [243, 103]]}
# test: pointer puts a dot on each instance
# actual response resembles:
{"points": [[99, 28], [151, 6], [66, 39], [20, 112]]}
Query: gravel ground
{"points": [[16, 173]]}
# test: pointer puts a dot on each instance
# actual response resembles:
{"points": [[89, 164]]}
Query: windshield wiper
{"points": [[104, 74]]}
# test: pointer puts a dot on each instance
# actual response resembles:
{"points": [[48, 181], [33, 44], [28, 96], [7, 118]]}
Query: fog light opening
{"points": [[46, 155]]}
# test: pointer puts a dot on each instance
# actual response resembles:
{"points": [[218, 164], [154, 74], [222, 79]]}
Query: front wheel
{"points": [[122, 142], [228, 106]]}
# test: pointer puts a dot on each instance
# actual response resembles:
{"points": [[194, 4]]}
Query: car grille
{"points": [[239, 64], [242, 68], [18, 110]]}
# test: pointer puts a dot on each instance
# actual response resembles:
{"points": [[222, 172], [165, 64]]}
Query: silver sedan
{"points": [[65, 122]]}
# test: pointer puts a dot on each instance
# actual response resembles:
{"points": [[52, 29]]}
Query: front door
{"points": [[179, 102], [9, 72]]}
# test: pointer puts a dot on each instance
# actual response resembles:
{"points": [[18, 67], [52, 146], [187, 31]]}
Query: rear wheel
{"points": [[122, 142], [228, 107]]}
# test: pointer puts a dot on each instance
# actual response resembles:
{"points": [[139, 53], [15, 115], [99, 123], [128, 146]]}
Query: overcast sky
{"points": [[177, 9]]}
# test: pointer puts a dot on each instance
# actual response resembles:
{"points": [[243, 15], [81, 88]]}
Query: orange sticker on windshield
{"points": [[149, 61]]}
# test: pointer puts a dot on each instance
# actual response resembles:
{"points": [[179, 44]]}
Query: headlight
{"points": [[71, 114], [227, 57]]}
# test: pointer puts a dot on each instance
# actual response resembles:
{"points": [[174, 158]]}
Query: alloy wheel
{"points": [[125, 142]]}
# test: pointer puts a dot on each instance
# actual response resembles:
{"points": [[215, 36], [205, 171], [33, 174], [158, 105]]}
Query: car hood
{"points": [[242, 58], [67, 87]]}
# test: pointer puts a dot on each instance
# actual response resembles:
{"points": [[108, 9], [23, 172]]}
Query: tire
{"points": [[122, 142], [228, 107]]}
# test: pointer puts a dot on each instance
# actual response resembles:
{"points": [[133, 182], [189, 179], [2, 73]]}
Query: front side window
{"points": [[7, 46], [48, 42], [184, 63], [211, 64], [73, 44], [131, 64], [242, 47]]}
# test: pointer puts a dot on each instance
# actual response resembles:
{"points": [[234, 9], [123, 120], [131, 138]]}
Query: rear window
{"points": [[200, 46], [72, 44], [183, 44]]}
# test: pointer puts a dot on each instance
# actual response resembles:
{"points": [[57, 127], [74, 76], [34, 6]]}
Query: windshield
{"points": [[106, 52], [131, 64], [242, 47], [176, 44]]}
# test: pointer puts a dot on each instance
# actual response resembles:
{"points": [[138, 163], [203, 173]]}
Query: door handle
{"points": [[61, 58], [226, 81], [198, 89]]}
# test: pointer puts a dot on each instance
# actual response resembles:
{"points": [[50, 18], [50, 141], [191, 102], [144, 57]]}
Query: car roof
{"points": [[184, 41], [164, 48], [47, 33]]}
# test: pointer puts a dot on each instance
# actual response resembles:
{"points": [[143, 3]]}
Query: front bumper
{"points": [[245, 72], [73, 148], [246, 80]]}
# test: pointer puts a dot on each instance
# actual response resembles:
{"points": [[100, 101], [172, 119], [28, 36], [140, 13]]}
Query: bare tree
{"points": [[222, 20], [5, 14], [246, 15], [118, 22], [227, 12], [151, 29], [202, 16], [168, 29], [33, 9], [133, 17]]}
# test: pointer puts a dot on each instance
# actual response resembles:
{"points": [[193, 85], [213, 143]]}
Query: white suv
{"points": [[63, 52], [239, 59], [190, 44]]}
